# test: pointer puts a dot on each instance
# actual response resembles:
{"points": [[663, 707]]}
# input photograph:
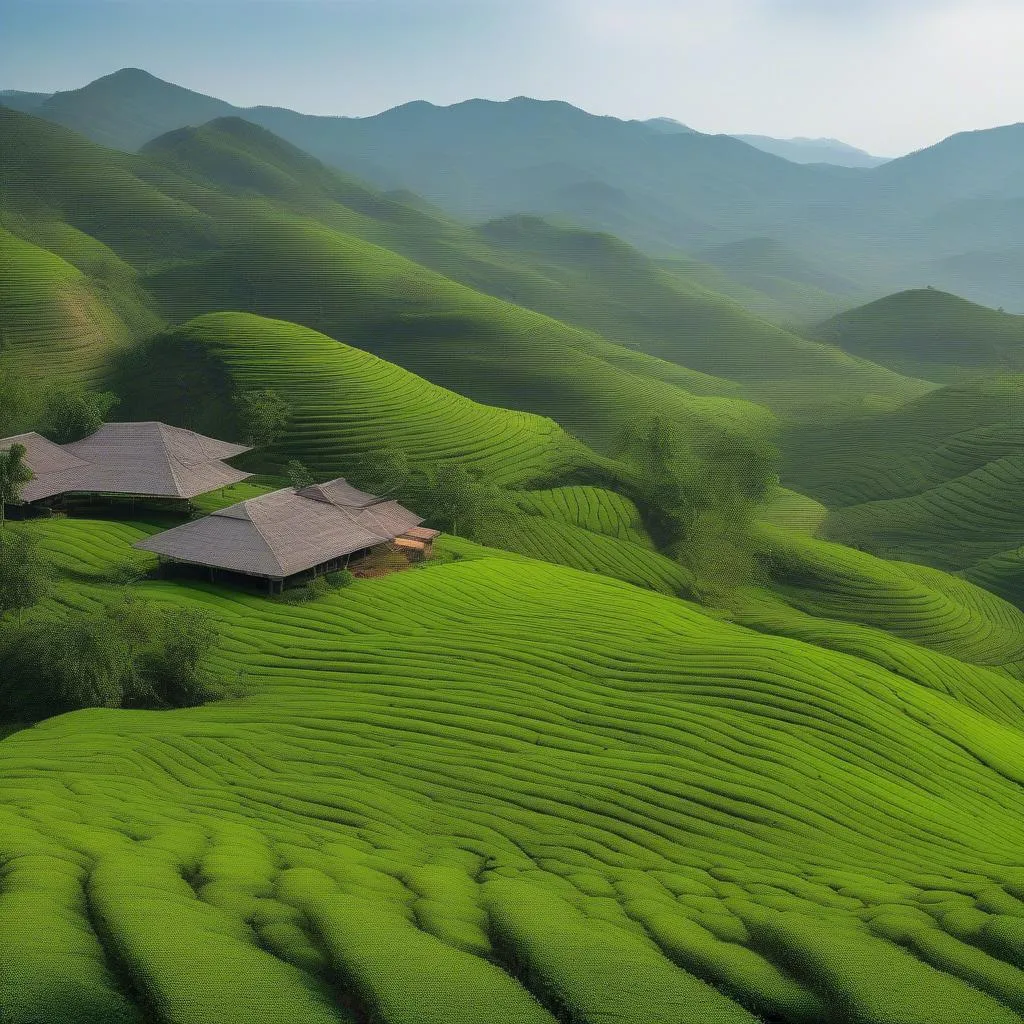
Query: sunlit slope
{"points": [[925, 625], [53, 323], [462, 339], [501, 790], [298, 253], [347, 403]]}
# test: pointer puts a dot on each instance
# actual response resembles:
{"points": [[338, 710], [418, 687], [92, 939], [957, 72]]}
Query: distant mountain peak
{"points": [[803, 150]]}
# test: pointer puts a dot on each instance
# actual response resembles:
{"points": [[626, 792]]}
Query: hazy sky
{"points": [[887, 75]]}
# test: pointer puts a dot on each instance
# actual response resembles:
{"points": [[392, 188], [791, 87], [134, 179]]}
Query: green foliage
{"points": [[71, 413], [384, 470], [299, 474], [456, 499], [263, 414], [19, 398], [699, 491], [340, 578], [24, 572], [14, 474], [125, 653]]}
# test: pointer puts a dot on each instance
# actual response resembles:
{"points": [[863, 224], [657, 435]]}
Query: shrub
{"points": [[340, 578], [128, 653], [299, 474], [263, 416]]}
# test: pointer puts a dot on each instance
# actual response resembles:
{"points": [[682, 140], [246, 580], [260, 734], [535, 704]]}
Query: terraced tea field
{"points": [[500, 790], [347, 403], [53, 324]]}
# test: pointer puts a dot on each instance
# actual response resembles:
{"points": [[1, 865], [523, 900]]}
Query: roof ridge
{"points": [[256, 527], [384, 536], [165, 448]]}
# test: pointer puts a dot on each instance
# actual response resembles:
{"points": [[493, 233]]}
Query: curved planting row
{"points": [[496, 789], [954, 524], [53, 324], [592, 508], [347, 403], [925, 606], [565, 543]]}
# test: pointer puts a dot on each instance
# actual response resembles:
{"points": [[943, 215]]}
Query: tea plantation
{"points": [[705, 711], [494, 789]]}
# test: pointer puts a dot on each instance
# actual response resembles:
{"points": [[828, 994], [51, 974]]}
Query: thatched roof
{"points": [[285, 532], [148, 458]]}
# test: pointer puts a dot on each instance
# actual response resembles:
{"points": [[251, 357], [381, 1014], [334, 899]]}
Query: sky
{"points": [[889, 76]]}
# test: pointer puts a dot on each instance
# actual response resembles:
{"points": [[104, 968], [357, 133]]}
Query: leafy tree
{"points": [[71, 413], [24, 575], [129, 653], [14, 474], [699, 490], [458, 500], [18, 399], [386, 469], [263, 416], [299, 475]]}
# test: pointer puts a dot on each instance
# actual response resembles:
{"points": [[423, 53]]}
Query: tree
{"points": [[128, 653], [384, 470], [14, 474], [699, 490], [263, 416], [24, 576], [71, 413], [299, 475], [456, 499], [18, 398]]}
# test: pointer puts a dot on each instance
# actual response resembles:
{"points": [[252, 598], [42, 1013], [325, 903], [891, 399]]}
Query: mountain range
{"points": [[950, 215]]}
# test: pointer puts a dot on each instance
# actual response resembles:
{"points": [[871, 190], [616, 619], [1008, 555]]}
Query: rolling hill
{"points": [[608, 803], [908, 222], [551, 775], [937, 482], [929, 333]]}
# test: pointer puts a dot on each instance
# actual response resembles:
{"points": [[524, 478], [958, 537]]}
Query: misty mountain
{"points": [[920, 219], [26, 102], [814, 151]]}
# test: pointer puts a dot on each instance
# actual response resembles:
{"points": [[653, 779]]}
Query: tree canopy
{"points": [[263, 415], [14, 474], [71, 413]]}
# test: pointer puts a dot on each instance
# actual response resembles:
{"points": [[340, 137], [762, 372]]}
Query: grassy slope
{"points": [[939, 481], [347, 403], [930, 333], [53, 322], [588, 279], [606, 800]]}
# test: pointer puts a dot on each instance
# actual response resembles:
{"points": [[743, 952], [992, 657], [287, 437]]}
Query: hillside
{"points": [[592, 280], [345, 403], [937, 482], [930, 333], [923, 218], [655, 809], [706, 706]]}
